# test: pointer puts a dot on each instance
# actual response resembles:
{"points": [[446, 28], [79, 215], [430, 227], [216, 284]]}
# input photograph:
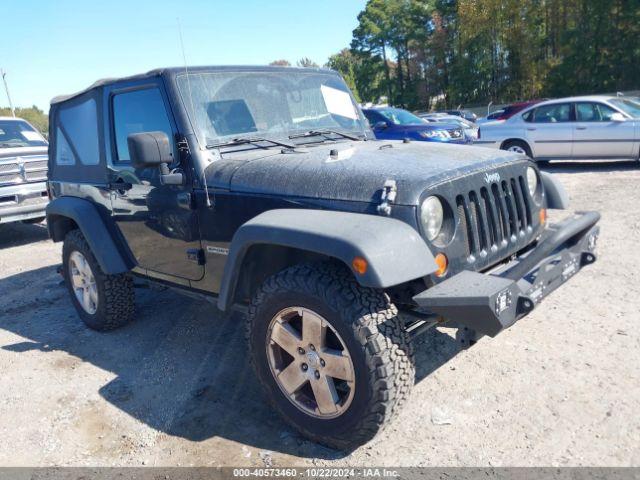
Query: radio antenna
{"points": [[193, 111]]}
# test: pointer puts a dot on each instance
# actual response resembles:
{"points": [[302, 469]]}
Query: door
{"points": [[597, 136], [549, 131], [156, 220]]}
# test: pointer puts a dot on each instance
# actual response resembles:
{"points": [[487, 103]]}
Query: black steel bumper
{"points": [[489, 303]]}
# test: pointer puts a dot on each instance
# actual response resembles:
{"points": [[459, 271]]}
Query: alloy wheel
{"points": [[83, 282], [310, 362]]}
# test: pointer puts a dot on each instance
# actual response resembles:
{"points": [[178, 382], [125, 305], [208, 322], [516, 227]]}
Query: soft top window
{"points": [[78, 125]]}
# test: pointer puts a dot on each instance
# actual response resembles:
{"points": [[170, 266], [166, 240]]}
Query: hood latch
{"points": [[389, 192]]}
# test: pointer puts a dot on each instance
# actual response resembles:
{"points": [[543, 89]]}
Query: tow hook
{"points": [[389, 192]]}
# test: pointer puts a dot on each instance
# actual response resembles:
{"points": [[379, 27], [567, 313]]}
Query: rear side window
{"points": [[135, 112], [77, 134], [555, 113]]}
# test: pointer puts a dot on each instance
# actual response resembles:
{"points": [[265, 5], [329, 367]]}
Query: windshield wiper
{"points": [[325, 133], [251, 141]]}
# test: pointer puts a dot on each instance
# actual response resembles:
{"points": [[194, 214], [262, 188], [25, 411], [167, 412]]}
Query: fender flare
{"points": [[557, 197], [88, 219], [394, 251]]}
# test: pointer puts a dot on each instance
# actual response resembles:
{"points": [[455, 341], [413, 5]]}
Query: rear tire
{"points": [[369, 332], [517, 146], [103, 302]]}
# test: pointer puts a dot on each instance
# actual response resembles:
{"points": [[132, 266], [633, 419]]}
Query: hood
{"points": [[358, 171], [12, 152]]}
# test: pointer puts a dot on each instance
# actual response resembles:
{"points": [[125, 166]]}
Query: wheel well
{"points": [[509, 140], [59, 226], [261, 261]]}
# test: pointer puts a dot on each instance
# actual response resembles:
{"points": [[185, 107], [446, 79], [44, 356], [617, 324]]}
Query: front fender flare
{"points": [[557, 197], [394, 251], [88, 219]]}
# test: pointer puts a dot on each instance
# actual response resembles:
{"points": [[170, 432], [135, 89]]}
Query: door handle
{"points": [[581, 128], [531, 129]]}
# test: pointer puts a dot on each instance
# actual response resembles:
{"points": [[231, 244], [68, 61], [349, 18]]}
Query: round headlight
{"points": [[532, 180], [431, 214]]}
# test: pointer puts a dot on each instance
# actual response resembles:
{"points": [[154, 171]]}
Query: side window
{"points": [[78, 128], [555, 113], [528, 116], [605, 112], [138, 111], [371, 118], [593, 112]]}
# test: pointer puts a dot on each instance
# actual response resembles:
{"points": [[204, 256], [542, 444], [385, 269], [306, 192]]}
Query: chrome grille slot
{"points": [[9, 168]]}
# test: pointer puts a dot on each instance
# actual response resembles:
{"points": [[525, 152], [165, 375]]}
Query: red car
{"points": [[510, 110]]}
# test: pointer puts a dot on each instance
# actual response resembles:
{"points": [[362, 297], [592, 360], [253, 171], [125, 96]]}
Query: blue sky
{"points": [[55, 47]]}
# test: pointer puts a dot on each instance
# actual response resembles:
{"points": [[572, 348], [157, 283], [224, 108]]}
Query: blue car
{"points": [[397, 124]]}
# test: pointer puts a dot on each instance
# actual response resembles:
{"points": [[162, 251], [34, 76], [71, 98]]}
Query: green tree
{"points": [[306, 62], [281, 63]]}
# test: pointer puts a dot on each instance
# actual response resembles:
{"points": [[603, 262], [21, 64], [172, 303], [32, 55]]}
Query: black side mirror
{"points": [[149, 149], [152, 149], [380, 125]]}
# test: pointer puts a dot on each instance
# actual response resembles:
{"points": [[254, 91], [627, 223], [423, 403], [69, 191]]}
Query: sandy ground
{"points": [[562, 387]]}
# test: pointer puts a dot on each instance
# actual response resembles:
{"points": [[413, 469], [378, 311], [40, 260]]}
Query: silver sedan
{"points": [[577, 128]]}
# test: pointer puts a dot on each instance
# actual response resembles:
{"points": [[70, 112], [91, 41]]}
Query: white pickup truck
{"points": [[23, 172]]}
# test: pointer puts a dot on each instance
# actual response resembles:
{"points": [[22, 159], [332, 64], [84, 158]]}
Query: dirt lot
{"points": [[560, 388]]}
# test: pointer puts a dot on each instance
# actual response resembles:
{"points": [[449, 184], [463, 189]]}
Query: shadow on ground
{"points": [[17, 234], [182, 368]]}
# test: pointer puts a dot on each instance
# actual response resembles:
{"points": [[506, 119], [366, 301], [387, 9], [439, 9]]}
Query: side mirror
{"points": [[380, 125], [618, 117], [149, 149]]}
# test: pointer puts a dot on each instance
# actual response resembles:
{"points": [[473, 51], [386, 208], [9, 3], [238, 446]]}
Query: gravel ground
{"points": [[562, 387]]}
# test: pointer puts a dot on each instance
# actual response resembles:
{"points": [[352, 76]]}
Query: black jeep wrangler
{"points": [[263, 190]]}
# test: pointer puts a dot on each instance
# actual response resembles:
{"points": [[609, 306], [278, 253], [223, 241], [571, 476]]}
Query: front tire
{"points": [[103, 302], [344, 391]]}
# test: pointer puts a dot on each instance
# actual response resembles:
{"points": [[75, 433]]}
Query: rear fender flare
{"points": [[394, 251], [88, 219]]}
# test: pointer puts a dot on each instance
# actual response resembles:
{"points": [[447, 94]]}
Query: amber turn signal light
{"points": [[443, 263], [359, 265], [543, 216]]}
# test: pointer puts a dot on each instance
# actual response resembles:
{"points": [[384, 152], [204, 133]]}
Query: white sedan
{"points": [[578, 128]]}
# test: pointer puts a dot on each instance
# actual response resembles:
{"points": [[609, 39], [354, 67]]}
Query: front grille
{"points": [[24, 169], [495, 215]]}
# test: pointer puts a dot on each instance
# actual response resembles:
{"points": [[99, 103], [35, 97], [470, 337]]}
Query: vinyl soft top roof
{"points": [[173, 71]]}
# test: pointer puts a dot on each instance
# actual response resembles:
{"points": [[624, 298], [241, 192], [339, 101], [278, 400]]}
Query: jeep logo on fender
{"points": [[492, 177]]}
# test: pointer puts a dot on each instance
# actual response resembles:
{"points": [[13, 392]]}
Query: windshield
{"points": [[401, 117], [627, 105], [277, 104], [18, 133]]}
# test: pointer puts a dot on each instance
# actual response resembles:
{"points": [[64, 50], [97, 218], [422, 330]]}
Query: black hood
{"points": [[357, 173]]}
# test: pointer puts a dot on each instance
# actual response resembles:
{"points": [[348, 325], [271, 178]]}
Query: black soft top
{"points": [[171, 72]]}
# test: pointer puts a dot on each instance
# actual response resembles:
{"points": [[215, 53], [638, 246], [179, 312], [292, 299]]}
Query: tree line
{"points": [[444, 53]]}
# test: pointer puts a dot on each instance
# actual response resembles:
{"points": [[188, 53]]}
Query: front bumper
{"points": [[489, 303], [23, 201]]}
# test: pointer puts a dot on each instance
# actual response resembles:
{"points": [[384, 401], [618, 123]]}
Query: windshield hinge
{"points": [[389, 192]]}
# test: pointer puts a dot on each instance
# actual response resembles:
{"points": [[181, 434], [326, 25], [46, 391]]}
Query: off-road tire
{"points": [[518, 143], [116, 296], [377, 341]]}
